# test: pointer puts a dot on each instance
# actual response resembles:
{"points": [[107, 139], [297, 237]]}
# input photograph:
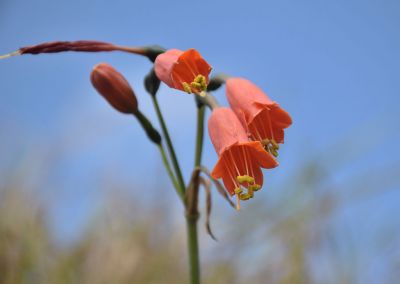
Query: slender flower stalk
{"points": [[192, 213], [201, 110], [113, 86], [169, 170], [170, 147]]}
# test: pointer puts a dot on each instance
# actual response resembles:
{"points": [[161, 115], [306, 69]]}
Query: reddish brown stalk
{"points": [[151, 52], [81, 45]]}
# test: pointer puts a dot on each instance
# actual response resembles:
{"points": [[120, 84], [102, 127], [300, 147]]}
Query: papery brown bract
{"points": [[114, 88]]}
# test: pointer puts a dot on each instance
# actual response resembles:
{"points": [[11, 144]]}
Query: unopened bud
{"points": [[151, 82], [114, 88]]}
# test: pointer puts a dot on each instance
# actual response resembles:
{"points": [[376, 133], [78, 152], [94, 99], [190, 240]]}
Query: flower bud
{"points": [[114, 88], [152, 83]]}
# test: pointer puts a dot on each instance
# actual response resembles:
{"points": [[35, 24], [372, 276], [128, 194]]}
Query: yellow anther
{"points": [[254, 187], [276, 145], [200, 83], [186, 87], [244, 196], [245, 178], [238, 190], [273, 152], [196, 85], [199, 79], [250, 192], [271, 146]]}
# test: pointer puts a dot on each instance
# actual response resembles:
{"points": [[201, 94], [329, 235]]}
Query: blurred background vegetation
{"points": [[300, 234]]}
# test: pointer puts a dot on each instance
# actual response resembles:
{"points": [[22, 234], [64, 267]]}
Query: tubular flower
{"points": [[240, 160], [263, 118], [186, 71]]}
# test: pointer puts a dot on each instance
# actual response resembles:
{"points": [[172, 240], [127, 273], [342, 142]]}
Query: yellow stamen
{"points": [[198, 86], [276, 145], [199, 79], [273, 151], [200, 82], [245, 178], [186, 87], [254, 187], [238, 190], [244, 196], [271, 146], [195, 85]]}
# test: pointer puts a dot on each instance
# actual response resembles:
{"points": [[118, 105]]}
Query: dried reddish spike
{"points": [[60, 46], [80, 46]]}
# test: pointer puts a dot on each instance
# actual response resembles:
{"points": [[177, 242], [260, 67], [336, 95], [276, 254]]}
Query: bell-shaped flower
{"points": [[263, 118], [240, 160], [186, 71]]}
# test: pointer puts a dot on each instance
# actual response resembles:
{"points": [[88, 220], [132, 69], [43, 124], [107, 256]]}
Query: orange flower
{"points": [[263, 118], [240, 160], [186, 71]]}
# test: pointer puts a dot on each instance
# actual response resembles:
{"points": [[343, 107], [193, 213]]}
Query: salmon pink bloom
{"points": [[263, 118], [186, 71], [240, 160]]}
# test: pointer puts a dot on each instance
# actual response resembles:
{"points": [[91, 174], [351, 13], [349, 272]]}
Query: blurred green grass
{"points": [[292, 237]]}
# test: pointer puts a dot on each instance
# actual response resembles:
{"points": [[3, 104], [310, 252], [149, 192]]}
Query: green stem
{"points": [[169, 171], [200, 135], [192, 216], [193, 248], [171, 150]]}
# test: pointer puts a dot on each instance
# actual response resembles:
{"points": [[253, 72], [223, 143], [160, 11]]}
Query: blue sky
{"points": [[334, 65]]}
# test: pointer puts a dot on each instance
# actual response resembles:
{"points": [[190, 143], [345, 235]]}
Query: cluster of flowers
{"points": [[246, 136]]}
